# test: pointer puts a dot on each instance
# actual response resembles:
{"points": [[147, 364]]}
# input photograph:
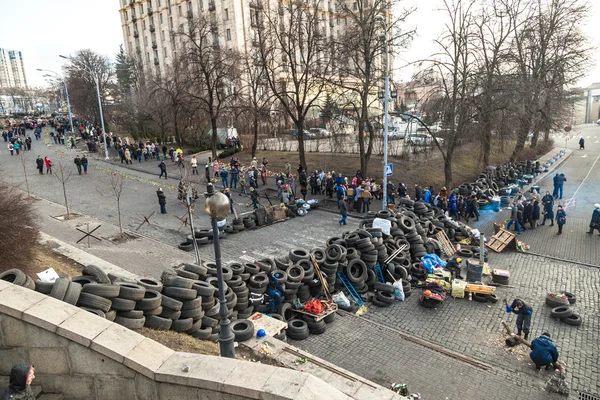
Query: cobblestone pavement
{"points": [[465, 327]]}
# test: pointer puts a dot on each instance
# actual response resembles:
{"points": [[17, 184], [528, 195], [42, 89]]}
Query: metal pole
{"points": [[189, 195], [385, 122], [68, 105], [101, 116], [226, 337]]}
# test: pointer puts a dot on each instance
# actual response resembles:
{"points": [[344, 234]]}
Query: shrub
{"points": [[18, 232], [228, 152]]}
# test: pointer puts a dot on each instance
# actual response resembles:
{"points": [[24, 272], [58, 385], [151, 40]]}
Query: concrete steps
{"points": [[36, 389]]}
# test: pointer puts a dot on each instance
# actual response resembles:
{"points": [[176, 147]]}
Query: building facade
{"points": [[12, 69]]}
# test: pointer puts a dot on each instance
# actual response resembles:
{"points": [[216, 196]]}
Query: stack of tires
{"points": [[237, 225], [383, 295], [19, 278], [249, 222], [561, 304]]}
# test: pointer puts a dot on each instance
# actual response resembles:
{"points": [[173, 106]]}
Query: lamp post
{"points": [[66, 93], [95, 76], [217, 206], [386, 98]]}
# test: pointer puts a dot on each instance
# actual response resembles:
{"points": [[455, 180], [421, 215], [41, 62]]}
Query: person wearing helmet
{"points": [[524, 313], [453, 265], [275, 292]]}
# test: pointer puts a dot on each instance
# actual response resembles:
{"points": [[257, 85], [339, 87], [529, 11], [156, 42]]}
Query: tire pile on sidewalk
{"points": [[561, 304]]}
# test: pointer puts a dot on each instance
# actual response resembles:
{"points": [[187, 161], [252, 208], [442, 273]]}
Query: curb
{"points": [[562, 260]]}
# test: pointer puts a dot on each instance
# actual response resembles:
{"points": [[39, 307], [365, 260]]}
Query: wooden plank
{"points": [[333, 308], [482, 289], [500, 240], [446, 244], [271, 326]]}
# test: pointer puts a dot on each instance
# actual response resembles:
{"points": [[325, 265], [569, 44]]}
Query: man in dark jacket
{"points": [[418, 192], [561, 219], [548, 202], [554, 183], [595, 222], [544, 352], [77, 162], [560, 181], [162, 201], [535, 216], [39, 162], [524, 312], [527, 212], [19, 387], [473, 208], [401, 190], [343, 210]]}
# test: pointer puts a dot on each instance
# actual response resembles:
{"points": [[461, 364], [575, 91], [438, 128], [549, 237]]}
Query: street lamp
{"points": [[60, 78], [386, 98], [95, 76], [217, 206]]}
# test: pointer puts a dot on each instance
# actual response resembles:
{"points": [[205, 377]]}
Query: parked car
{"points": [[307, 134], [319, 132], [422, 138], [598, 122], [395, 132]]}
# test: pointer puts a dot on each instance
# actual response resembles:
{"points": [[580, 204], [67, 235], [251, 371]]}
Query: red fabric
{"points": [[314, 307]]}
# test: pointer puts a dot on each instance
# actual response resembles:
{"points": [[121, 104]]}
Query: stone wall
{"points": [[84, 356]]}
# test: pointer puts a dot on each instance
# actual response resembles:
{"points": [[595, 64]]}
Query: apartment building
{"points": [[149, 26], [12, 69]]}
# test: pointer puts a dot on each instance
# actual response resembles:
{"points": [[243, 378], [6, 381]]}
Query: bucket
{"points": [[474, 270]]}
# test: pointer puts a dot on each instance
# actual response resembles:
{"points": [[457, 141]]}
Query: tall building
{"points": [[12, 69]]}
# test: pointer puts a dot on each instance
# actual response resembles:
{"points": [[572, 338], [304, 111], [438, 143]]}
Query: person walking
{"points": [[343, 210], [524, 313], [17, 147], [254, 197], [19, 384], [418, 192], [128, 156], [554, 184], [544, 352], [561, 219], [84, 164], [473, 208], [163, 169], [595, 222], [227, 193], [560, 181], [194, 164], [216, 168], [48, 164], [224, 175], [235, 172], [39, 162], [582, 143], [535, 215], [162, 200], [548, 201], [77, 162], [11, 148], [514, 212]]}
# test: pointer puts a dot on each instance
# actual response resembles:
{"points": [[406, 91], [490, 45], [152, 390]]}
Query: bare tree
{"points": [[24, 161], [297, 58], [362, 71], [63, 173], [115, 183], [213, 72]]}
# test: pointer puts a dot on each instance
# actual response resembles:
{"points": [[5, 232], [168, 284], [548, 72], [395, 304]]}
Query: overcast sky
{"points": [[43, 29]]}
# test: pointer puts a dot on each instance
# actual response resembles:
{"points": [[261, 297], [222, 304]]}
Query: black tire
{"points": [[131, 323], [203, 288], [561, 312], [195, 327], [243, 330], [383, 287], [202, 334], [111, 315], [195, 313], [43, 287], [158, 323], [385, 297], [297, 336], [187, 274], [131, 314], [150, 283], [480, 298], [209, 322], [185, 246], [199, 270], [492, 298], [235, 281], [73, 293], [152, 299], [191, 304], [97, 273], [14, 276], [376, 302], [295, 273], [168, 313], [93, 301], [84, 280], [156, 311], [171, 304], [574, 320], [177, 281], [329, 319], [357, 271], [59, 290], [108, 291], [570, 296], [554, 301], [465, 253], [131, 291], [213, 311], [182, 325], [297, 326], [286, 311], [95, 311], [180, 293], [120, 304], [298, 254], [258, 281]]}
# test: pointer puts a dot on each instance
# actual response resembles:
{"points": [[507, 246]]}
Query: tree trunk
{"points": [[213, 139], [300, 137], [119, 214], [177, 135], [521, 138], [448, 167], [534, 140], [486, 143], [361, 147], [255, 129], [66, 201]]}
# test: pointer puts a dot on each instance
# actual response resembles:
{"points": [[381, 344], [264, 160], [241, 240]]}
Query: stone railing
{"points": [[83, 356]]}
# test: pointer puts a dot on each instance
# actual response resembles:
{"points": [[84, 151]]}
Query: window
{"points": [[228, 34], [160, 18], [147, 56], [164, 52], [126, 16], [128, 31], [142, 9], [355, 6], [158, 2], [162, 35], [216, 39], [144, 24], [171, 22], [596, 99], [226, 14], [200, 5], [179, 11], [145, 41], [189, 6]]}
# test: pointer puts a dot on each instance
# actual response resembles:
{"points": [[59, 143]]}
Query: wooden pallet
{"points": [[271, 326], [446, 244], [500, 240], [333, 308], [482, 289]]}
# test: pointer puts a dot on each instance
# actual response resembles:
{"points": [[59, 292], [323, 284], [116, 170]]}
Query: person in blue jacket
{"points": [[544, 352], [524, 313], [275, 291]]}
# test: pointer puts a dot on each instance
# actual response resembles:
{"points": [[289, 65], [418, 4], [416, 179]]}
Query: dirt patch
{"points": [[121, 238], [188, 344], [65, 217], [44, 257]]}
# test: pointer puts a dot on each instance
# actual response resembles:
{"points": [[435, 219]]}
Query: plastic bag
{"points": [[341, 299], [398, 290]]}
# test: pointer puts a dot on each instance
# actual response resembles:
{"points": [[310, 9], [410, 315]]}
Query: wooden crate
{"points": [[271, 326], [482, 289], [500, 240], [446, 244]]}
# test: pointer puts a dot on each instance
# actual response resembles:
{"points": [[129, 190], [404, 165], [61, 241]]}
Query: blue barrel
{"points": [[474, 270]]}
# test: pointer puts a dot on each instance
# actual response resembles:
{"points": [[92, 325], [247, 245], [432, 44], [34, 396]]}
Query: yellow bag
{"points": [[442, 283], [458, 288]]}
